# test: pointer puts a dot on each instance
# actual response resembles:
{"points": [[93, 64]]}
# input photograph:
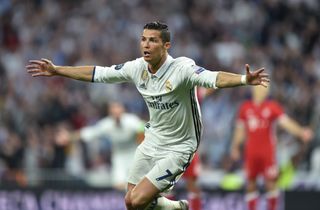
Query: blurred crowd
{"points": [[281, 35]]}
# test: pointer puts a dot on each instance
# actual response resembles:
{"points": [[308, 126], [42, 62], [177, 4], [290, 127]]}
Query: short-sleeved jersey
{"points": [[175, 120], [258, 121]]}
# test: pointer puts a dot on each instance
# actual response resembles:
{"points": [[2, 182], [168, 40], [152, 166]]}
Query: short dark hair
{"points": [[162, 27]]}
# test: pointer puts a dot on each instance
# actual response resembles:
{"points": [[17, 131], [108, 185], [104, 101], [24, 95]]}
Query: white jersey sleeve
{"points": [[130, 126], [197, 75], [95, 131], [203, 77], [116, 73]]}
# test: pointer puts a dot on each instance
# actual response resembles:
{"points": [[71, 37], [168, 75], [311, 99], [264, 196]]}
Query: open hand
{"points": [[257, 77], [43, 67], [307, 135]]}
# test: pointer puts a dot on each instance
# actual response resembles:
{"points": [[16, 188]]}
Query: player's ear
{"points": [[167, 45]]}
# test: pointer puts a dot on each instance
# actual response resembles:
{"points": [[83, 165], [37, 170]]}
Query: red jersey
{"points": [[193, 169], [260, 144], [258, 121]]}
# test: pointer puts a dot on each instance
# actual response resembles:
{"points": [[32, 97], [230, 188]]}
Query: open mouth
{"points": [[146, 53]]}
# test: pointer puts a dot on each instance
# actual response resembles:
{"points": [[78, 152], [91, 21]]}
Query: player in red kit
{"points": [[256, 120]]}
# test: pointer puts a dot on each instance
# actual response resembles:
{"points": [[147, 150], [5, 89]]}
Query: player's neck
{"points": [[258, 101], [154, 67]]}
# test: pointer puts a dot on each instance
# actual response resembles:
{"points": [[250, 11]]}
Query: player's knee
{"points": [[127, 200], [137, 200]]}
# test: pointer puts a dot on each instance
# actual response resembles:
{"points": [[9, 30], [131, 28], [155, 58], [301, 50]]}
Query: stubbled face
{"points": [[152, 47]]}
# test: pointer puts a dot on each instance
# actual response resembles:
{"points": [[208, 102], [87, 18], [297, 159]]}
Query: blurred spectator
{"points": [[123, 130], [12, 154]]}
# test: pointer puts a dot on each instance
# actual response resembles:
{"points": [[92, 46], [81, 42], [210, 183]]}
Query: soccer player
{"points": [[255, 122], [173, 132], [122, 129]]}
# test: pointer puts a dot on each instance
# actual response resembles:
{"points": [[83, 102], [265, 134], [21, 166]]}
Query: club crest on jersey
{"points": [[266, 112], [144, 78], [144, 75], [168, 86]]}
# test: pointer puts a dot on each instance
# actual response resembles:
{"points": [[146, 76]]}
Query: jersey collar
{"points": [[163, 68]]}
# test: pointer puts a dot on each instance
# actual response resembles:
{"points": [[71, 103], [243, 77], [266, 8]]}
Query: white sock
{"points": [[163, 203], [251, 196], [273, 194]]}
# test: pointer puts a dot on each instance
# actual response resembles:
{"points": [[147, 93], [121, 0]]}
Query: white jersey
{"points": [[170, 95], [123, 138]]}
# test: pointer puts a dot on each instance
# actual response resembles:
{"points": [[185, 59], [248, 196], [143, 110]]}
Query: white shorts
{"points": [[162, 170]]}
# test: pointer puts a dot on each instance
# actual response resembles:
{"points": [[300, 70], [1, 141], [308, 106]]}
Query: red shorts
{"points": [[193, 170], [261, 164]]}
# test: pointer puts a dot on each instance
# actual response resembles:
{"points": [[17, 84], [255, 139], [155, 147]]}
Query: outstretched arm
{"points": [[292, 127], [45, 67], [257, 77]]}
